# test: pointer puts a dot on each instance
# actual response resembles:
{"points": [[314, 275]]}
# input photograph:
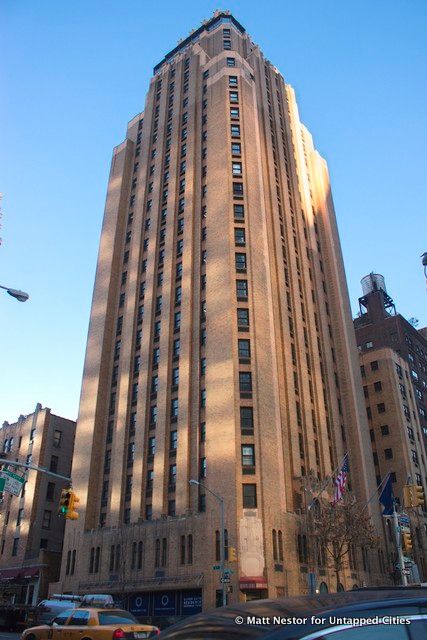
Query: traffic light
{"points": [[418, 492], [64, 502], [407, 541], [67, 504], [413, 495], [232, 554], [72, 509]]}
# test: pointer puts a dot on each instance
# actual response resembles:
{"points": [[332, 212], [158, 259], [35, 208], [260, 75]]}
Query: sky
{"points": [[73, 74]]}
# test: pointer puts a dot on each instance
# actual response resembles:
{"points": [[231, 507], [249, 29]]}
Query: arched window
{"points": [[157, 553], [139, 561], [275, 555], [133, 559], [340, 587], [280, 536], [182, 550], [190, 549], [323, 588]]}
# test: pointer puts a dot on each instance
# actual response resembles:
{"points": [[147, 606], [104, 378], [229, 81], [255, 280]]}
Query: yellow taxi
{"points": [[90, 623]]}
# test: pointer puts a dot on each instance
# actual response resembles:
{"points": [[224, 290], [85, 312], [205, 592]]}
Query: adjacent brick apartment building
{"points": [[221, 346], [393, 359], [31, 533]]}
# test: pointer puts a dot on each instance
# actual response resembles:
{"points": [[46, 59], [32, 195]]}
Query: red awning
{"points": [[253, 582], [10, 574], [30, 572], [18, 573]]}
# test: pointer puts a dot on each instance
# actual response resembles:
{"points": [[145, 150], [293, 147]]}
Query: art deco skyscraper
{"points": [[220, 346]]}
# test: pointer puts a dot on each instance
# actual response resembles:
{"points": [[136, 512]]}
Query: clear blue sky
{"points": [[75, 73]]}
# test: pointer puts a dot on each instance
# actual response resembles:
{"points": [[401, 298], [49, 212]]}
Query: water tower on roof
{"points": [[373, 287]]}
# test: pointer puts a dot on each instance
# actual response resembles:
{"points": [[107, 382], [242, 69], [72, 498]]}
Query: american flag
{"points": [[341, 480]]}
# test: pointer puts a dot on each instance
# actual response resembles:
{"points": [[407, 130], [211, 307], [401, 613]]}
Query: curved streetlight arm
{"points": [[16, 293]]}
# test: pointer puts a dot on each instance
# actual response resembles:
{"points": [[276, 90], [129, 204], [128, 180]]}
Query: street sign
{"points": [[225, 580], [2, 483], [404, 520], [216, 567], [13, 482], [228, 571]]}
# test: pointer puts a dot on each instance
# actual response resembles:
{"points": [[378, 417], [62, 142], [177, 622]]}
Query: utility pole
{"points": [[399, 545]]}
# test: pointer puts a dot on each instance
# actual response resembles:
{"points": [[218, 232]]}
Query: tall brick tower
{"points": [[221, 345]]}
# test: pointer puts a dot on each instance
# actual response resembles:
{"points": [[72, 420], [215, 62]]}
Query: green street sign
{"points": [[13, 482], [2, 483], [228, 571], [216, 567]]}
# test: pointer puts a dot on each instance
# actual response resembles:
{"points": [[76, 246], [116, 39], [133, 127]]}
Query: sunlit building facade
{"points": [[221, 346]]}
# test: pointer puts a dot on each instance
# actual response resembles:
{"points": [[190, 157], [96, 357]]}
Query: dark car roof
{"points": [[220, 623]]}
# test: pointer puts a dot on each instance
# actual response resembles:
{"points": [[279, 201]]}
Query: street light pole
{"points": [[222, 536], [21, 296]]}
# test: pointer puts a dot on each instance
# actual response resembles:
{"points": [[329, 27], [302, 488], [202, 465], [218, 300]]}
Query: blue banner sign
{"points": [[165, 603], [138, 604], [191, 602]]}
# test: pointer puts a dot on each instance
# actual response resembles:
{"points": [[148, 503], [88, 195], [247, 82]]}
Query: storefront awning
{"points": [[19, 573], [253, 582]]}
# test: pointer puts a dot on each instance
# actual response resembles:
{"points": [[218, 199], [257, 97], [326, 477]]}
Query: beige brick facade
{"points": [[31, 530], [219, 210]]}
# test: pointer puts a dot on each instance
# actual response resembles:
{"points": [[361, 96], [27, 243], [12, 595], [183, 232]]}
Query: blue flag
{"points": [[387, 498]]}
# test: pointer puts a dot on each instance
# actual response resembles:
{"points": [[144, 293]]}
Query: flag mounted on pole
{"points": [[341, 480], [386, 497]]}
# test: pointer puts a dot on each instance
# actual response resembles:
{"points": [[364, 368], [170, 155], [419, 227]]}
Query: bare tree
{"points": [[340, 527]]}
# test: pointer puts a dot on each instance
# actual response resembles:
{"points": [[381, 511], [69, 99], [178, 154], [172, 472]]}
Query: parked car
{"points": [[377, 614], [90, 623], [49, 609]]}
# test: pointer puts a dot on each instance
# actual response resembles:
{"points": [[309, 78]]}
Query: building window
{"points": [[15, 546], [202, 366], [235, 131], [50, 492], [57, 436], [231, 62], [239, 212], [172, 477], [151, 446], [388, 454], [385, 430], [190, 549], [175, 376], [377, 386], [203, 398], [239, 236], [153, 415], [245, 382], [232, 81], [19, 517], [173, 440], [227, 44], [249, 496], [381, 407], [182, 549], [238, 189], [246, 420], [202, 503], [131, 454], [234, 96], [242, 289], [53, 464], [202, 468], [236, 149], [244, 349], [243, 317], [248, 455], [202, 431], [156, 355], [174, 408], [176, 348], [47, 517]]}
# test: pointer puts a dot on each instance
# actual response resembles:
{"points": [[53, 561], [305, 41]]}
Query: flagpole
{"points": [[399, 545], [327, 481], [383, 482]]}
